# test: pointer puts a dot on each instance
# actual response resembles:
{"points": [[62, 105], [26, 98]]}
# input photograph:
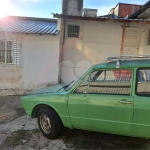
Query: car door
{"points": [[141, 120], [105, 103]]}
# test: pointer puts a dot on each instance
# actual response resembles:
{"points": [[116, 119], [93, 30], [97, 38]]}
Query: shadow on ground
{"points": [[79, 139], [74, 139]]}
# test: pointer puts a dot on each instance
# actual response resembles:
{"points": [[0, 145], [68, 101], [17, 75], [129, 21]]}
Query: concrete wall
{"points": [[40, 60], [97, 41], [38, 66], [116, 10], [144, 47]]}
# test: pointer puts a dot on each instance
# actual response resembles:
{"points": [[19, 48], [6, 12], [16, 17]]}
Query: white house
{"points": [[29, 54], [87, 39], [36, 52]]}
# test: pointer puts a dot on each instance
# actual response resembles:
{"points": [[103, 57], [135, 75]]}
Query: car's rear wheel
{"points": [[49, 123]]}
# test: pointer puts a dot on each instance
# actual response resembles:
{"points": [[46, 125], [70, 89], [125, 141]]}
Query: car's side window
{"points": [[83, 87], [143, 82], [111, 82]]}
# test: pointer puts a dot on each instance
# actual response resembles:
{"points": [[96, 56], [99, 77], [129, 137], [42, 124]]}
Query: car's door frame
{"points": [[141, 119], [88, 74]]}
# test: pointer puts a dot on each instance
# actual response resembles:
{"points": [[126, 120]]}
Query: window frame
{"points": [[75, 24], [136, 84], [81, 83], [75, 35], [12, 53], [112, 69], [104, 69]]}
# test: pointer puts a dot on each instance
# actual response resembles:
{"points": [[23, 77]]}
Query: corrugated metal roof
{"points": [[28, 25]]}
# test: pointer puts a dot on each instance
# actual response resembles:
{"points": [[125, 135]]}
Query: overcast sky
{"points": [[44, 8]]}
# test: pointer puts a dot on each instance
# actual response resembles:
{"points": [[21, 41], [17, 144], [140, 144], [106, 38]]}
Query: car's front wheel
{"points": [[49, 123]]}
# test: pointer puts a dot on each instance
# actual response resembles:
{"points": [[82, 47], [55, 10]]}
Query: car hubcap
{"points": [[45, 123]]}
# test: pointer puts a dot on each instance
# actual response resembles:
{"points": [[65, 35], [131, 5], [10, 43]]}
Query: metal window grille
{"points": [[149, 38], [73, 31], [9, 52]]}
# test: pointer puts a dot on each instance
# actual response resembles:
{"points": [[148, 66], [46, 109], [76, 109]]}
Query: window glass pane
{"points": [[143, 82], [9, 51], [111, 82], [83, 87], [2, 51]]}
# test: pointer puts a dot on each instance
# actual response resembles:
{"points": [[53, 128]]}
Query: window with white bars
{"points": [[9, 52], [149, 37], [73, 31]]}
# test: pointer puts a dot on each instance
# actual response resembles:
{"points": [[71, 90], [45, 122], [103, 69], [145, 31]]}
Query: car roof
{"points": [[124, 64]]}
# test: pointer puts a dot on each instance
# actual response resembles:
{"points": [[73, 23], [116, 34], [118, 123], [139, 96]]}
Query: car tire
{"points": [[49, 123]]}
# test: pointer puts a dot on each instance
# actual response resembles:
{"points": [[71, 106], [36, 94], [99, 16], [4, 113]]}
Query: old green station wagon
{"points": [[112, 97]]}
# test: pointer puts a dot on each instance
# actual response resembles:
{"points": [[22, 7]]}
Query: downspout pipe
{"points": [[62, 39]]}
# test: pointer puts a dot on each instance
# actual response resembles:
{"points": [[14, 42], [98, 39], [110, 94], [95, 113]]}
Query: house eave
{"points": [[121, 20]]}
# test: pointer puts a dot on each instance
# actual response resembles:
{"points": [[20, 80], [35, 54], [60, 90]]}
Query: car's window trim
{"points": [[136, 83], [82, 79], [104, 69]]}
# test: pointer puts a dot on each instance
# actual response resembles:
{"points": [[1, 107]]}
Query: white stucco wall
{"points": [[40, 60], [38, 66], [116, 10], [97, 41], [144, 47]]}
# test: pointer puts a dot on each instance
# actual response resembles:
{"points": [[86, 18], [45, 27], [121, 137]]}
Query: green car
{"points": [[112, 97]]}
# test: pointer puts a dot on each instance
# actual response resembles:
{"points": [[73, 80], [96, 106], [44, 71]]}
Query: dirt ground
{"points": [[19, 132]]}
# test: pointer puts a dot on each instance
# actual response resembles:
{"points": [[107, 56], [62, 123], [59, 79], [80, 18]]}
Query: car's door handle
{"points": [[125, 102]]}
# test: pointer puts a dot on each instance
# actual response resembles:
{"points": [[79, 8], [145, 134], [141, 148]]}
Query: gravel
{"points": [[20, 132]]}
